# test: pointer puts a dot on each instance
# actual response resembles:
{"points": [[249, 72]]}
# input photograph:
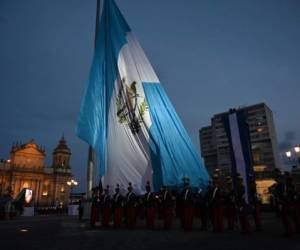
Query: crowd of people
{"points": [[219, 208]]}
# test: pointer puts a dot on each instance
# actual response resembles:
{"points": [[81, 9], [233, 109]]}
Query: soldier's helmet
{"points": [[129, 186], [216, 178], [289, 179], [228, 180], [239, 179], [186, 181], [148, 186]]}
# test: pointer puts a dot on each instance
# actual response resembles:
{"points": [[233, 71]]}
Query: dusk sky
{"points": [[210, 55]]}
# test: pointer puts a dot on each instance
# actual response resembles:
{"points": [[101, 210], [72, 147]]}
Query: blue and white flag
{"points": [[238, 134], [127, 117]]}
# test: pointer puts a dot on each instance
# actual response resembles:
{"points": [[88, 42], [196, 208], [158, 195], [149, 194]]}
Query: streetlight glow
{"points": [[72, 183], [288, 154], [297, 149]]}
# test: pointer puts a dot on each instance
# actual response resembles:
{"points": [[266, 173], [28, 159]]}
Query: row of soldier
{"points": [[286, 200], [214, 207]]}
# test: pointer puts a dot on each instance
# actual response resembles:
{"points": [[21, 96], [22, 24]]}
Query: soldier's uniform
{"points": [[167, 207], [203, 209], [95, 209], [131, 202], [149, 205], [242, 206], [229, 202], [297, 210], [80, 210], [106, 208], [178, 207], [255, 202], [117, 206], [216, 204], [285, 194], [207, 199], [187, 202]]}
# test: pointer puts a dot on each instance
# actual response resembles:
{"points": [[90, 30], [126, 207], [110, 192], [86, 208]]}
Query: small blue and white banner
{"points": [[238, 134]]}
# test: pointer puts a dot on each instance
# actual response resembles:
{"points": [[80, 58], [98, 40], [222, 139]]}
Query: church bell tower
{"points": [[61, 155]]}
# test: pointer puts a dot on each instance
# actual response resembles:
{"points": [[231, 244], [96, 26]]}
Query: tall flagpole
{"points": [[91, 153]]}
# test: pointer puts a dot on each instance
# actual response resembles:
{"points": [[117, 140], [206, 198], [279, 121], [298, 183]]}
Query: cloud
{"points": [[288, 141], [290, 135]]}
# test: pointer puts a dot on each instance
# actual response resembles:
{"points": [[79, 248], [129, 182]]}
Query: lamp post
{"points": [[72, 183], [297, 150], [288, 155]]}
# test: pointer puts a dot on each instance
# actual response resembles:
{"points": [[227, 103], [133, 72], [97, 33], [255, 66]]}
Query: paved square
{"points": [[60, 232]]}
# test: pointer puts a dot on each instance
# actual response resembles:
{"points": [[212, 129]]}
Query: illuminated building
{"points": [[215, 148], [26, 169]]}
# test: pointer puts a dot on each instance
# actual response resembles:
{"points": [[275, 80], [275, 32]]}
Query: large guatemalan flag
{"points": [[127, 117]]}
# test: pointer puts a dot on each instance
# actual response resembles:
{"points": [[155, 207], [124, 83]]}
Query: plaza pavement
{"points": [[62, 232]]}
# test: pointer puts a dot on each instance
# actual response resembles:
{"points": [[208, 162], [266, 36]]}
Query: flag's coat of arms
{"points": [[127, 117], [129, 108]]}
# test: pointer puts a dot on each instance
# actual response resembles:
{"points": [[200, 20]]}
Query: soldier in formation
{"points": [[131, 204], [229, 204], [215, 205], [187, 203], [117, 207], [105, 206], [167, 205], [286, 202], [149, 203]]}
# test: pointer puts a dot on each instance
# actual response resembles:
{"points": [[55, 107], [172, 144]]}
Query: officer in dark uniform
{"points": [[149, 205], [131, 203], [274, 190], [167, 207], [207, 199], [255, 204], [297, 210], [201, 205], [242, 206], [187, 202], [95, 208], [216, 204], [117, 206], [229, 203], [285, 194], [106, 207], [80, 210], [178, 206]]}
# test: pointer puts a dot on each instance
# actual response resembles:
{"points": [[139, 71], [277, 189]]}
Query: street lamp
{"points": [[72, 183], [288, 154], [297, 150]]}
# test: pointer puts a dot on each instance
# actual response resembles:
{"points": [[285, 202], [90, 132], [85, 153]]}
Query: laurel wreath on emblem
{"points": [[129, 111]]}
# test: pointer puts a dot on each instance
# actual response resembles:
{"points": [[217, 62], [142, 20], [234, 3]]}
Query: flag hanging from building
{"points": [[238, 134], [127, 117]]}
